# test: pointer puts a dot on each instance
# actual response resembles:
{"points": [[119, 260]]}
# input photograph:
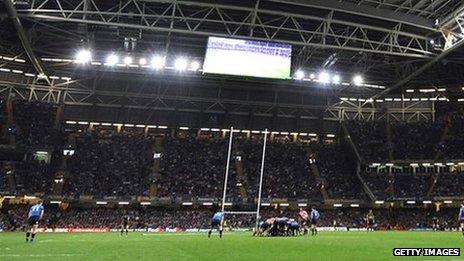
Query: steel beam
{"points": [[228, 20], [24, 40]]}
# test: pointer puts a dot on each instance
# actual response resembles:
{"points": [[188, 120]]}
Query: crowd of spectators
{"points": [[453, 143], [409, 141], [287, 171], [416, 140], [400, 185], [411, 186], [379, 183], [192, 167], [449, 185], [338, 171], [370, 139], [34, 125], [4, 139], [107, 163], [33, 177]]}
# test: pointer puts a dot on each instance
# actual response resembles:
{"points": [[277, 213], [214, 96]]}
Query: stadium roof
{"points": [[394, 43]]}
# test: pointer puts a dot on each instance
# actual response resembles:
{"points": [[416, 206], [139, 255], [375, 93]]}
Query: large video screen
{"points": [[247, 58]]}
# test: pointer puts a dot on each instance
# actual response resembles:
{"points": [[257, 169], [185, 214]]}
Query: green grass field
{"points": [[233, 246]]}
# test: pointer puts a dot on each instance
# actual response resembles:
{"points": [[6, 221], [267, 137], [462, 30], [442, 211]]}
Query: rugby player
{"points": [[370, 220], [314, 216], [36, 214], [216, 222]]}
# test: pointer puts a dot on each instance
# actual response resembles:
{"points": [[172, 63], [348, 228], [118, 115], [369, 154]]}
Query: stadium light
{"points": [[299, 75], [336, 79], [157, 62], [324, 77], [358, 80], [181, 64], [194, 66], [112, 59], [83, 56], [128, 60], [142, 61]]}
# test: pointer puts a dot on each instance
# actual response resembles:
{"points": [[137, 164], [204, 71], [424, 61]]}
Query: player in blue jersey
{"points": [[314, 217], [461, 218], [293, 228], [216, 222], [36, 213]]}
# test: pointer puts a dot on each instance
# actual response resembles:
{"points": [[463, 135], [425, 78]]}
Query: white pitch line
{"points": [[40, 255]]}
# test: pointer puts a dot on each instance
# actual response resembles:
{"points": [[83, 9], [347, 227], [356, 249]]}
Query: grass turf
{"points": [[233, 246]]}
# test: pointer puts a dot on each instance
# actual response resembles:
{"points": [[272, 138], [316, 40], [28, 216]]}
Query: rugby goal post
{"points": [[226, 178]]}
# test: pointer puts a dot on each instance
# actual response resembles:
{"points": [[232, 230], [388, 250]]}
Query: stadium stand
{"points": [[288, 174], [370, 139], [107, 163], [34, 124], [338, 171], [114, 163], [193, 167]]}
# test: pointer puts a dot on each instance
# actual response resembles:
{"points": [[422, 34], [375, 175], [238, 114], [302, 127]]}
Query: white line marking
{"points": [[40, 255]]}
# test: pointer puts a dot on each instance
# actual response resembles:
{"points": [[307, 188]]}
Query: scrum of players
{"points": [[283, 226]]}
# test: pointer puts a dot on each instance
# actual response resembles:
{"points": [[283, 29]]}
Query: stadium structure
{"points": [[165, 111]]}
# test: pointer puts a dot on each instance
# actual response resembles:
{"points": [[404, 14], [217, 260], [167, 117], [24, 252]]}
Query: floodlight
{"points": [[142, 61], [324, 77], [299, 75], [157, 62], [181, 64], [358, 80], [127, 60], [83, 56], [112, 59]]}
